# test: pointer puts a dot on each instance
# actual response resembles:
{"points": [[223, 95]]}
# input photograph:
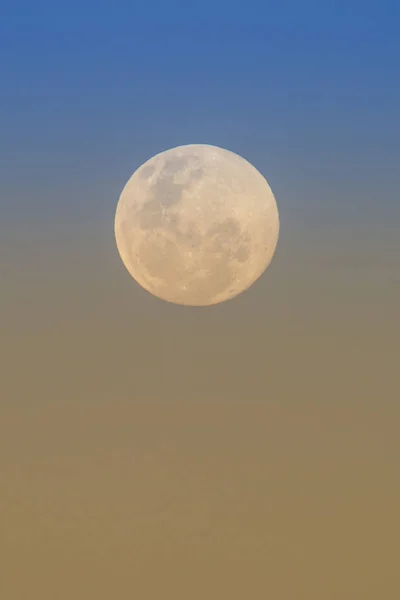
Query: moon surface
{"points": [[196, 225]]}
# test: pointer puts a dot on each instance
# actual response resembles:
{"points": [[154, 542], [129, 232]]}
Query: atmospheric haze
{"points": [[245, 449]]}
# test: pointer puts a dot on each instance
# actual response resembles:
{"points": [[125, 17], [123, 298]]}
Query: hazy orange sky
{"points": [[247, 448]]}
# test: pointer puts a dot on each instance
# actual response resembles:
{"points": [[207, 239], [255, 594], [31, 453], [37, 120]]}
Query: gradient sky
{"points": [[249, 449]]}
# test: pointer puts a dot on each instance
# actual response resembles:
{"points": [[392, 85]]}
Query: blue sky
{"points": [[308, 91]]}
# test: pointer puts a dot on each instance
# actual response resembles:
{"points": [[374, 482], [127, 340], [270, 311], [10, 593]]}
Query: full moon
{"points": [[196, 225]]}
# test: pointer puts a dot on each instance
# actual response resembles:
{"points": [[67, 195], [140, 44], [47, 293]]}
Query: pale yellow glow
{"points": [[196, 225]]}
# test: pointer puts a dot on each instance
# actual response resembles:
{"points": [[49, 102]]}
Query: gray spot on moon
{"points": [[224, 231], [226, 240], [147, 171], [196, 174], [163, 195], [219, 276], [150, 216], [175, 164], [166, 192], [242, 254], [162, 259]]}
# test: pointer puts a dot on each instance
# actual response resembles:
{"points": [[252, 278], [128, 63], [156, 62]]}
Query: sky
{"points": [[249, 449]]}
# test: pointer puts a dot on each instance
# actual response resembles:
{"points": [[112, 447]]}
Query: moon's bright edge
{"points": [[196, 225]]}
